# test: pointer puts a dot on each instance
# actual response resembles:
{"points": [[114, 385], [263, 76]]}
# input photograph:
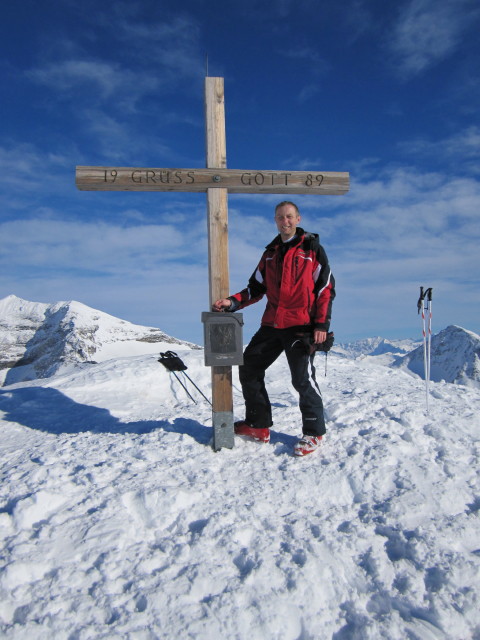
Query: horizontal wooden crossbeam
{"points": [[199, 180]]}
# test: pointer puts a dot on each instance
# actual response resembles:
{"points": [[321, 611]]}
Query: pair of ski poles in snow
{"points": [[173, 363], [424, 306]]}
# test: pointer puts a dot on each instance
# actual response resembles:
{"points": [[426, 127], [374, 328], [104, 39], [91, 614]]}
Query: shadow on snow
{"points": [[49, 410]]}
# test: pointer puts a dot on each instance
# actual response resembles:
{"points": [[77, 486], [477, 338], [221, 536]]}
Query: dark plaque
{"points": [[223, 338]]}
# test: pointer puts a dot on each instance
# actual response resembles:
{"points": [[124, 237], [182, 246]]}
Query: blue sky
{"points": [[389, 91]]}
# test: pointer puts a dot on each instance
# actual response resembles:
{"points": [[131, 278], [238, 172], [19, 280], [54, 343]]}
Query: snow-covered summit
{"points": [[455, 357], [118, 520], [37, 339]]}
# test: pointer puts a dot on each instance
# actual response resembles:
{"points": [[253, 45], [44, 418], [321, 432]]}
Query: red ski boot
{"points": [[242, 428]]}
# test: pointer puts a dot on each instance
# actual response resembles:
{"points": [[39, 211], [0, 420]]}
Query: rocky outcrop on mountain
{"points": [[37, 339], [455, 357]]}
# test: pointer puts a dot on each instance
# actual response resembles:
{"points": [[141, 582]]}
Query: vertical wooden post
{"points": [[218, 276]]}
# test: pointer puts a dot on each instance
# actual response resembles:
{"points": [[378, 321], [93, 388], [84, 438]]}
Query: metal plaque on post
{"points": [[223, 338], [223, 341]]}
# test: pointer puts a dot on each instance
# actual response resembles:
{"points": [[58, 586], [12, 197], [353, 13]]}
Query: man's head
{"points": [[287, 218]]}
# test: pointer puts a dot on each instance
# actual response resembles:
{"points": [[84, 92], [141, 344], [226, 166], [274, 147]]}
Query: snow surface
{"points": [[118, 520]]}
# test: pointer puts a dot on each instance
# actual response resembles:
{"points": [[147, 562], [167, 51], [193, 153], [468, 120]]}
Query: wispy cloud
{"points": [[403, 230], [427, 32], [150, 55], [110, 91], [461, 148], [80, 83], [120, 141], [309, 59], [97, 247], [359, 19], [172, 44], [30, 174]]}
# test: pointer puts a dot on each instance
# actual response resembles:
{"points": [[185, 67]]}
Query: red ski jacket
{"points": [[297, 280]]}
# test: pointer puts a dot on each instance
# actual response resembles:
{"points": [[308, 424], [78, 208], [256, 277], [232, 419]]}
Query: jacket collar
{"points": [[277, 241]]}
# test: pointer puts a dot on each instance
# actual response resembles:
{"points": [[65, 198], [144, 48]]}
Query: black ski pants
{"points": [[264, 348]]}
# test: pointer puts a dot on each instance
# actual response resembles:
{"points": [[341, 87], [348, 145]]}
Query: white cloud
{"points": [[66, 74], [28, 174], [144, 57], [461, 149], [427, 32], [95, 82], [118, 139], [54, 244], [404, 231], [171, 44], [110, 90]]}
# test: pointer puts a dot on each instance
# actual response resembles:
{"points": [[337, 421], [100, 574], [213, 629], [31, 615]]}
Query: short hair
{"points": [[282, 204]]}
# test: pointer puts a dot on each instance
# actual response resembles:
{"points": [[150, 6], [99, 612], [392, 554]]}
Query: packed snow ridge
{"points": [[38, 339]]}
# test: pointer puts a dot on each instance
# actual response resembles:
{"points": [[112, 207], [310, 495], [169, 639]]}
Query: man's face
{"points": [[287, 220]]}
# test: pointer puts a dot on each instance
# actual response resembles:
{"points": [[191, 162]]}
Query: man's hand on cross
{"points": [[222, 304]]}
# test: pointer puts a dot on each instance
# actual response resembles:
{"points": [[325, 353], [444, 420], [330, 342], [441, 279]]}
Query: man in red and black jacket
{"points": [[294, 274]]}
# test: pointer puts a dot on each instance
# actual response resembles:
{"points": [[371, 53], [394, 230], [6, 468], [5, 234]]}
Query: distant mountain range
{"points": [[455, 355], [38, 340], [375, 347]]}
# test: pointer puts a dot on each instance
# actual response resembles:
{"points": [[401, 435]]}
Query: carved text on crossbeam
{"points": [[199, 180]]}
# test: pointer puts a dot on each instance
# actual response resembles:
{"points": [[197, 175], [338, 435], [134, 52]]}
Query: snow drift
{"points": [[117, 519]]}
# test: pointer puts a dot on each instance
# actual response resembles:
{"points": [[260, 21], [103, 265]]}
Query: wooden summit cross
{"points": [[217, 181]]}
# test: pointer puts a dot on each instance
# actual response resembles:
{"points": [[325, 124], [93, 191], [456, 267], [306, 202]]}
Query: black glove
{"points": [[171, 361]]}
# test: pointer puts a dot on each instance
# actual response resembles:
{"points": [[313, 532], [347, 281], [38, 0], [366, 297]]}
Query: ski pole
{"points": [[199, 390], [421, 309], [427, 334], [173, 363], [428, 295], [184, 386]]}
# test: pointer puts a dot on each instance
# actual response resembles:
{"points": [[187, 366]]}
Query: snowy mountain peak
{"points": [[455, 357], [38, 339], [13, 307]]}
